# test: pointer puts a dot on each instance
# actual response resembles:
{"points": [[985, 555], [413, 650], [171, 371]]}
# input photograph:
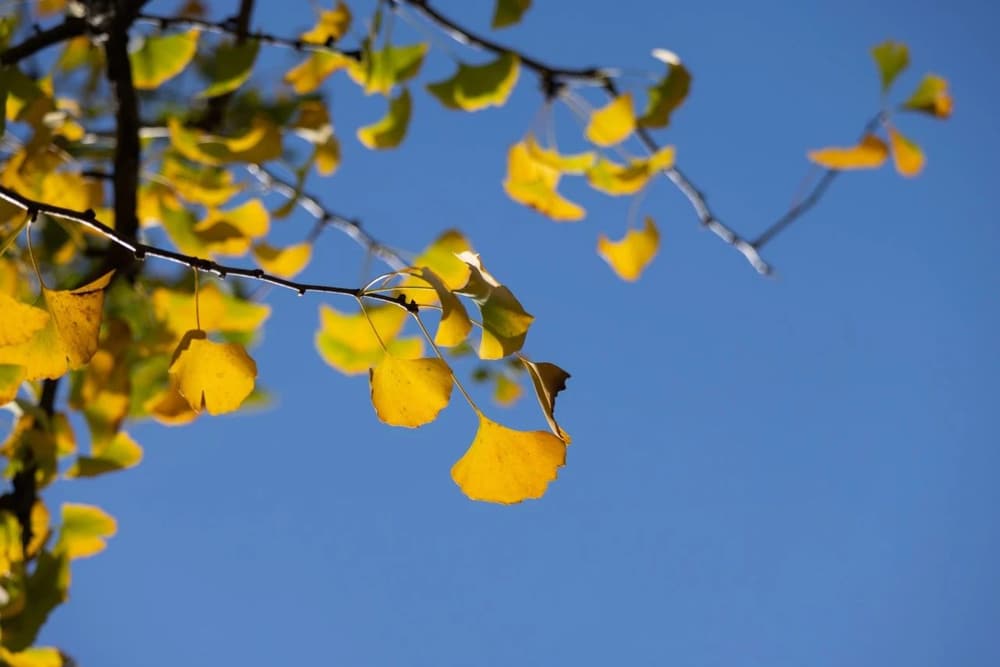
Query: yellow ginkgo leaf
{"points": [[551, 158], [262, 142], [36, 656], [308, 75], [118, 453], [69, 338], [346, 340], [11, 377], [231, 231], [613, 123], [162, 57], [931, 97], [285, 262], [507, 466], [869, 154], [230, 66], [455, 325], [476, 87], [505, 390], [169, 408], [618, 179], [327, 156], [217, 310], [380, 71], [505, 321], [906, 155], [331, 25], [533, 184], [212, 376], [441, 257], [410, 392], [388, 132], [84, 530], [548, 380], [630, 256], [20, 321]]}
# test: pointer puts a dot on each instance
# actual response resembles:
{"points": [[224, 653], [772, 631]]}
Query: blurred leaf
{"points": [[46, 587], [119, 453], [509, 12], [931, 97], [868, 154], [33, 657], [630, 256], [284, 262], [218, 310], [906, 155], [308, 75], [346, 341], [613, 123], [533, 183], [161, 58], [331, 25], [11, 377], [892, 58], [668, 94], [230, 66], [476, 87], [84, 530], [390, 130], [380, 71]]}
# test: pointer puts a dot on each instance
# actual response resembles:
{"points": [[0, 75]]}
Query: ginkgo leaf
{"points": [[618, 179], [20, 321], [892, 58], [613, 123], [308, 75], [551, 158], [284, 262], [505, 390], [455, 325], [217, 310], [668, 94], [230, 67], [348, 344], [207, 185], [906, 155], [476, 87], [161, 58], [441, 257], [931, 97], [36, 656], [868, 154], [231, 231], [507, 466], [327, 156], [331, 25], [509, 12], [117, 454], [69, 338], [533, 184], [262, 142], [84, 530], [390, 130], [216, 377], [410, 392], [505, 321], [47, 587], [169, 408], [548, 380], [380, 71], [11, 377], [630, 256]]}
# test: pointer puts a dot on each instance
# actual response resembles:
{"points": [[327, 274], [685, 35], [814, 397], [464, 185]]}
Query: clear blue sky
{"points": [[795, 471]]}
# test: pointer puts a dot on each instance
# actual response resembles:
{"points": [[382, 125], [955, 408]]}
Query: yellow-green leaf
{"points": [[533, 183], [906, 155], [410, 392], [868, 154], [230, 67], [548, 380], [509, 12], [347, 343], [505, 390], [119, 453], [380, 71], [618, 179], [668, 94], [84, 530], [507, 466], [505, 321], [613, 123], [390, 130], [11, 377], [476, 87], [217, 310], [630, 256], [931, 97], [331, 25], [161, 58], [284, 262], [308, 75], [455, 325], [892, 58], [553, 159], [212, 376]]}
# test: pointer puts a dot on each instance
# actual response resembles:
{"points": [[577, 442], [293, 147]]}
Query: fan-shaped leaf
{"points": [[630, 256], [892, 58], [391, 129], [931, 97], [230, 67], [613, 123], [476, 87], [410, 392], [868, 154], [162, 57], [84, 530], [906, 155], [212, 376]]}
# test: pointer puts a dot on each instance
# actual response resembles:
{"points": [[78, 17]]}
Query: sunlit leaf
{"points": [[217, 310], [347, 343], [630, 256], [231, 231], [410, 392], [441, 257], [230, 67], [668, 94], [931, 97], [11, 377], [169, 408], [906, 155], [476, 87], [618, 179], [509, 12], [533, 184], [47, 588], [551, 158], [161, 58], [83, 530], [308, 75], [262, 142], [390, 130], [212, 376], [455, 325], [613, 123], [284, 262], [505, 321], [40, 656], [331, 25], [507, 466], [892, 58], [868, 154], [117, 454], [380, 71], [20, 321]]}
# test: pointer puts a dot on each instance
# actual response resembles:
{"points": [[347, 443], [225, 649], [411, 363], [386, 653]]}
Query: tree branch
{"points": [[217, 105], [71, 27]]}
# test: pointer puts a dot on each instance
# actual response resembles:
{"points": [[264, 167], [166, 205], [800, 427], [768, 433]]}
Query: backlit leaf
{"points": [[84, 530], [668, 94], [230, 67], [507, 466], [892, 58], [390, 130], [410, 392], [548, 380], [630, 256], [505, 390], [331, 25], [308, 75], [346, 342], [476, 87], [161, 58], [20, 321], [551, 158], [284, 262], [380, 71], [262, 142], [47, 588], [39, 656], [212, 376], [931, 97], [169, 408], [509, 12], [613, 123], [11, 377], [868, 154], [618, 179], [231, 231], [218, 310], [906, 155], [505, 322], [117, 454], [533, 184]]}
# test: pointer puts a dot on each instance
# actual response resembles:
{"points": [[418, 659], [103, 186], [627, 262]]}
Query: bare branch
{"points": [[71, 27]]}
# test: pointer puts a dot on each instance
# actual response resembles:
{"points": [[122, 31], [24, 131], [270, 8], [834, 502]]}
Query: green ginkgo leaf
{"points": [[161, 58], [230, 67], [668, 94], [381, 71], [509, 12], [390, 130], [476, 87], [892, 58]]}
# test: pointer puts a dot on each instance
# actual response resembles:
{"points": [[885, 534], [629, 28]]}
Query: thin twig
{"points": [[70, 27]]}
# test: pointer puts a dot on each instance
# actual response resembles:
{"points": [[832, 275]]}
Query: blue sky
{"points": [[787, 471]]}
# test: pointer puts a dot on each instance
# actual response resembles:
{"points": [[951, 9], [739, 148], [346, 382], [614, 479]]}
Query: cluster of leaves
{"points": [[139, 340]]}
